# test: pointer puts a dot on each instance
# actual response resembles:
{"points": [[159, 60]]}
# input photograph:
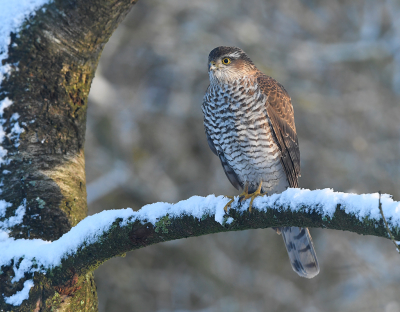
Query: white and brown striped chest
{"points": [[236, 120]]}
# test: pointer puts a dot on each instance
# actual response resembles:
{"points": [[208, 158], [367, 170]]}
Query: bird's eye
{"points": [[226, 60]]}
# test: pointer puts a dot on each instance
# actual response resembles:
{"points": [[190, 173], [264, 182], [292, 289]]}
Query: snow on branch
{"points": [[114, 232]]}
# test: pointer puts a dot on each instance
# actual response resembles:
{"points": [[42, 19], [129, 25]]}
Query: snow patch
{"points": [[229, 220], [15, 116], [12, 15], [20, 296], [14, 220], [3, 206], [16, 131], [195, 206], [4, 104], [327, 200]]}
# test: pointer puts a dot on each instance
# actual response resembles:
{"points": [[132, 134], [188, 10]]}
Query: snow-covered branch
{"points": [[114, 232]]}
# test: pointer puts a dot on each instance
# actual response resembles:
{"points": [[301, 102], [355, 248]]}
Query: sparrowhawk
{"points": [[249, 124]]}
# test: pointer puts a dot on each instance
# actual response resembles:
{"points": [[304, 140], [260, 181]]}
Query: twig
{"points": [[387, 226]]}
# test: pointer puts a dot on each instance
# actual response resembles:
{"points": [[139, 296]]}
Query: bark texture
{"points": [[55, 55]]}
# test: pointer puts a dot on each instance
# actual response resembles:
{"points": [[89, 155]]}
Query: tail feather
{"points": [[301, 251]]}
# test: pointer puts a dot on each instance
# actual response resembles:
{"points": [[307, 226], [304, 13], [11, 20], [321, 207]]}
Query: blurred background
{"points": [[339, 61]]}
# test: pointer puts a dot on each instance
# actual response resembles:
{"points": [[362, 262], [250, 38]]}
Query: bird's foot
{"points": [[228, 205], [241, 196], [252, 195], [245, 192]]}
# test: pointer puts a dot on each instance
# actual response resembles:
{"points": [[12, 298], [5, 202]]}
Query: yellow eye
{"points": [[226, 60]]}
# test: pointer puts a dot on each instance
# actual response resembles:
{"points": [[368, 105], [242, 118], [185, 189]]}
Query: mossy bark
{"points": [[53, 58], [134, 234]]}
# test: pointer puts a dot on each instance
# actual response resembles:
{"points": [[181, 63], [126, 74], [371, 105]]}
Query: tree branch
{"points": [[114, 232], [387, 225]]}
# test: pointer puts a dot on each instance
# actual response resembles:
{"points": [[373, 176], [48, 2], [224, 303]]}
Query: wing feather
{"points": [[211, 144], [230, 174], [281, 120]]}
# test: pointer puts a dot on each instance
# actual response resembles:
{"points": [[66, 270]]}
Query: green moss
{"points": [[326, 219], [204, 216], [77, 81], [54, 302], [162, 224], [40, 202]]}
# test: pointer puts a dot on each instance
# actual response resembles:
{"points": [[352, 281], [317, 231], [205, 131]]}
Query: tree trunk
{"points": [[53, 59]]}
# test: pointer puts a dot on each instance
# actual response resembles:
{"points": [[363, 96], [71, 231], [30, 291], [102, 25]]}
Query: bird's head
{"points": [[227, 64]]}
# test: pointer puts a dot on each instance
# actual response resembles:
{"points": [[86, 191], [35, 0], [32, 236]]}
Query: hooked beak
{"points": [[212, 66]]}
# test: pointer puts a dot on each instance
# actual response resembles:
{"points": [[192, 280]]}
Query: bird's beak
{"points": [[212, 66]]}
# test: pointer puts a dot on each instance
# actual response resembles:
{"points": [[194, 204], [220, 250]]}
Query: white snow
{"points": [[15, 116], [12, 15], [16, 130], [360, 205], [20, 296], [14, 220], [3, 105], [229, 220], [195, 206], [3, 206]]}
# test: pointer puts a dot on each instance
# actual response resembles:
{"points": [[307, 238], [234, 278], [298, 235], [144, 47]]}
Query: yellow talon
{"points": [[229, 202], [253, 195], [245, 192], [245, 195], [241, 195]]}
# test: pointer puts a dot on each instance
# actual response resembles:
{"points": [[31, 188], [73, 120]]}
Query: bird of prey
{"points": [[249, 124]]}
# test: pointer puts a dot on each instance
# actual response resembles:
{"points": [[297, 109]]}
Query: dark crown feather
{"points": [[222, 51]]}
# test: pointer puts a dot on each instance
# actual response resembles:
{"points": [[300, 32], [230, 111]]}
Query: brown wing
{"points": [[280, 113]]}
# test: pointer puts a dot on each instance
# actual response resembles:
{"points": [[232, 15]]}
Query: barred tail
{"points": [[301, 251]]}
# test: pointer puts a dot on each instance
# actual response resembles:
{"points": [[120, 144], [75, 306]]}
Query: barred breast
{"points": [[236, 120]]}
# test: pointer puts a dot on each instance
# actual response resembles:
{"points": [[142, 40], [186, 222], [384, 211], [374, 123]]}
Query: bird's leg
{"points": [[245, 192], [241, 196], [228, 205], [253, 195]]}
